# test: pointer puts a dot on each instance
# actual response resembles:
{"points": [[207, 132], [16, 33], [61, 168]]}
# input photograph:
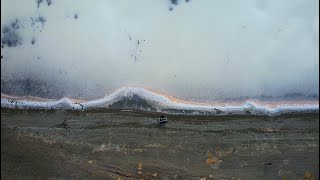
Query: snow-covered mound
{"points": [[141, 99]]}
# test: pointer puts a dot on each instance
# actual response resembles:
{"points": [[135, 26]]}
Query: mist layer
{"points": [[195, 50]]}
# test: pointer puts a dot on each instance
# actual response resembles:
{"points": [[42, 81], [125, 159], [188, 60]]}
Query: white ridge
{"points": [[160, 102]]}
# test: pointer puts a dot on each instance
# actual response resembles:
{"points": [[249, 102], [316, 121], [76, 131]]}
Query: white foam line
{"points": [[160, 102]]}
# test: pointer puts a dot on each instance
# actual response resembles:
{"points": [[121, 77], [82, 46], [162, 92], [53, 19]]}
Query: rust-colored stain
{"points": [[308, 176], [146, 175], [140, 166], [212, 160], [140, 170]]}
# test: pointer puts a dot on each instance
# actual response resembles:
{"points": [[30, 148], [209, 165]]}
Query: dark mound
{"points": [[133, 102]]}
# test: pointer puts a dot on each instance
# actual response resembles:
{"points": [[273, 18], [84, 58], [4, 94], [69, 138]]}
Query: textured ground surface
{"points": [[130, 145]]}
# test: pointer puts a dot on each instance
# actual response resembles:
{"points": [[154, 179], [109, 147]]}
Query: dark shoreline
{"points": [[130, 112]]}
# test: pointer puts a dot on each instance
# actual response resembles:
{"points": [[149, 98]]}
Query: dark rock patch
{"points": [[133, 102], [63, 125], [218, 111]]}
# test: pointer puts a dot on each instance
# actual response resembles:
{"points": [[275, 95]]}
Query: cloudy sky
{"points": [[197, 49]]}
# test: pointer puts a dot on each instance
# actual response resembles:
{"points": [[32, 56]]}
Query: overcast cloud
{"points": [[201, 49]]}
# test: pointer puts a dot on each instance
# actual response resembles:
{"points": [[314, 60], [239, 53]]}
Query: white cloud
{"points": [[270, 45]]}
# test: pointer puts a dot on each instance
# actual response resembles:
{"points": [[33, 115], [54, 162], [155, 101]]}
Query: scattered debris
{"points": [[10, 36], [212, 160], [140, 168], [269, 163], [162, 120], [175, 2], [38, 22], [49, 2], [63, 125], [33, 41], [15, 24], [39, 2], [138, 44]]}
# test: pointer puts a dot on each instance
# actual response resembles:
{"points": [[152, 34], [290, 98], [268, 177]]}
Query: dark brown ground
{"points": [[130, 145]]}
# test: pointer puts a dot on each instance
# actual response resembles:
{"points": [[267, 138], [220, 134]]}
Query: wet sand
{"points": [[131, 145]]}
